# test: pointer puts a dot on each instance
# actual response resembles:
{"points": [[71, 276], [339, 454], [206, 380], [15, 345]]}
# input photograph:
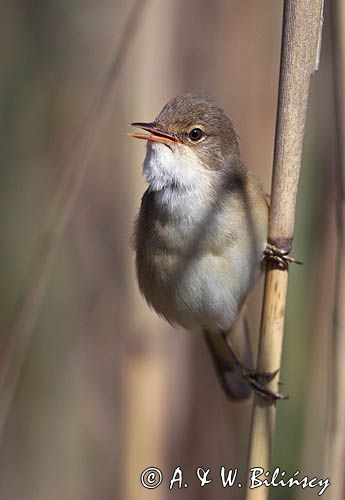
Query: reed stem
{"points": [[301, 38]]}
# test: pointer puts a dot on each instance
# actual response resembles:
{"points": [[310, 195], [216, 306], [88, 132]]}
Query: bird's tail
{"points": [[229, 376]]}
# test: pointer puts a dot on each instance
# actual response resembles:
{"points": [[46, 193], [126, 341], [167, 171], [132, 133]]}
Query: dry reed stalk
{"points": [[336, 443], [301, 39], [19, 333]]}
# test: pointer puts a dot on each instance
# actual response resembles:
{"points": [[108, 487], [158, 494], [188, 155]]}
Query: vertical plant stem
{"points": [[302, 22], [336, 442]]}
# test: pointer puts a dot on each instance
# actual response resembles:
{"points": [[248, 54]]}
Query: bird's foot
{"points": [[279, 256], [257, 380]]}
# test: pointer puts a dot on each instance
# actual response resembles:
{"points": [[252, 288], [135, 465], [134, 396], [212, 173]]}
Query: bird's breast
{"points": [[196, 267]]}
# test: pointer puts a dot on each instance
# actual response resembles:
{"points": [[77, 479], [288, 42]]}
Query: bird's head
{"points": [[190, 136]]}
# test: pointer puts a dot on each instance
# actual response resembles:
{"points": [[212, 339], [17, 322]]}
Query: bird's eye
{"points": [[195, 134]]}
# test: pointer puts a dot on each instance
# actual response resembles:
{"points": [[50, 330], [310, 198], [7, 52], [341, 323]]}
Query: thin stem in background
{"points": [[336, 445], [302, 22], [25, 316]]}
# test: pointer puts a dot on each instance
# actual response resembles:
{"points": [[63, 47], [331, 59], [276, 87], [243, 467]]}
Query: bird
{"points": [[201, 233]]}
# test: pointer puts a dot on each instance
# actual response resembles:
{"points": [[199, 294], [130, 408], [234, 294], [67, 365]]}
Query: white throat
{"points": [[178, 177]]}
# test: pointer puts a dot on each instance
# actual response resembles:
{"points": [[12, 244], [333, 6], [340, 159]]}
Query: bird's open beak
{"points": [[154, 134]]}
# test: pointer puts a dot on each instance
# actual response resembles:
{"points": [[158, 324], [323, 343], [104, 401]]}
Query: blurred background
{"points": [[107, 388]]}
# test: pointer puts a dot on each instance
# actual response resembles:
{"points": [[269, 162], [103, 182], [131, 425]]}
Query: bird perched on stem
{"points": [[200, 236]]}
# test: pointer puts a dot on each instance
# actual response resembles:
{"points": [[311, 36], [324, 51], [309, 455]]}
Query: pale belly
{"points": [[196, 262], [205, 291]]}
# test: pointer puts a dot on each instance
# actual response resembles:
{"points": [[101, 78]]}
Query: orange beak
{"points": [[154, 134]]}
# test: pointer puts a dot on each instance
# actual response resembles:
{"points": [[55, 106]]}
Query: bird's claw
{"points": [[260, 377], [257, 381], [279, 256]]}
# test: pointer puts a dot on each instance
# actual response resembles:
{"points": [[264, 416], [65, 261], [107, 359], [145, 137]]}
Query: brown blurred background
{"points": [[107, 388]]}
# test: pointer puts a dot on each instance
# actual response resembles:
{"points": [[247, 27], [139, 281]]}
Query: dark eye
{"points": [[195, 134]]}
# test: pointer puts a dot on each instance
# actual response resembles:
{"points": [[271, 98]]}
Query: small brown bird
{"points": [[201, 232]]}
